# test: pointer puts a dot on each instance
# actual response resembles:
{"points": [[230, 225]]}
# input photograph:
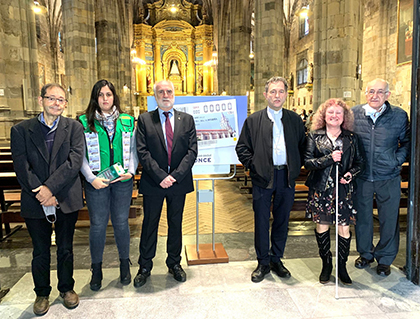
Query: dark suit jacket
{"points": [[153, 156], [59, 172]]}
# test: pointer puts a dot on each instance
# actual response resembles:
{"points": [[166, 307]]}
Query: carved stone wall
{"points": [[18, 64], [380, 42]]}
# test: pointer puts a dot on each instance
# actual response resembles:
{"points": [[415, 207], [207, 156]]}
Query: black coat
{"points": [[34, 166], [319, 161], [255, 146], [153, 155]]}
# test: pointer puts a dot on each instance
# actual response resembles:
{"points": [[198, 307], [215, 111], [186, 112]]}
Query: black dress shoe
{"points": [[279, 269], [141, 277], [259, 272], [362, 262], [178, 273], [383, 270]]}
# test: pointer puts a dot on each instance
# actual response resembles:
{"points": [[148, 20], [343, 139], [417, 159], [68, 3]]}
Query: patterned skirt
{"points": [[321, 205]]}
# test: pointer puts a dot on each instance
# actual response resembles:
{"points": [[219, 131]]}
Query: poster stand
{"points": [[200, 254]]}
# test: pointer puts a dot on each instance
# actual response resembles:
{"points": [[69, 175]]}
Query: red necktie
{"points": [[169, 136]]}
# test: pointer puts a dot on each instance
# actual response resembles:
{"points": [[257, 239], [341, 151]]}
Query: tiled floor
{"points": [[212, 291], [225, 291]]}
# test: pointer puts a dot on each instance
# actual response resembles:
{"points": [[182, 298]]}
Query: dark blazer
{"points": [[153, 156], [59, 172], [255, 146]]}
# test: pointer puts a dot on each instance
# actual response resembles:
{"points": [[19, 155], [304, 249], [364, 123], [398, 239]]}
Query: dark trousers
{"points": [[40, 231], [152, 207], [388, 194], [282, 197]]}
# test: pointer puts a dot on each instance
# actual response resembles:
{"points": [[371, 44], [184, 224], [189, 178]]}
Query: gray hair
{"points": [[51, 85], [154, 85], [378, 80], [276, 79]]}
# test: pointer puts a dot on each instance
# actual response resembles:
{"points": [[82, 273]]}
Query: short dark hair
{"points": [[276, 79], [94, 105], [50, 85]]}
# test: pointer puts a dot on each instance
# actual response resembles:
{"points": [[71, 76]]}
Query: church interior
{"points": [[323, 48]]}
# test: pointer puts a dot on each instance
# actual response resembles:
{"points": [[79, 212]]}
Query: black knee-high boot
{"points": [[343, 254], [96, 281], [324, 244]]}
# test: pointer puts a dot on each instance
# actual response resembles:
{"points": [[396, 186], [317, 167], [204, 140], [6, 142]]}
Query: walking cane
{"points": [[339, 147], [336, 231]]}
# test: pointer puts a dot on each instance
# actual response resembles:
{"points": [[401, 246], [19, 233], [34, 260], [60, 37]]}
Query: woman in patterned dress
{"points": [[331, 143]]}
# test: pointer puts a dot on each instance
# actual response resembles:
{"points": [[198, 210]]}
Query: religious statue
{"points": [[291, 81], [311, 73]]}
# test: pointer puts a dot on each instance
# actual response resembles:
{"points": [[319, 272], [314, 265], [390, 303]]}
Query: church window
{"points": [[38, 26], [303, 25], [60, 41], [302, 72]]}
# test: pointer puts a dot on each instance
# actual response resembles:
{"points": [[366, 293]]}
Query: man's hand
{"points": [[99, 183], [44, 194], [51, 202], [122, 177], [167, 182]]}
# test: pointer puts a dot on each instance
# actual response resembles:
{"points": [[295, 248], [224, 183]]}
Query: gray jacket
{"points": [[386, 142]]}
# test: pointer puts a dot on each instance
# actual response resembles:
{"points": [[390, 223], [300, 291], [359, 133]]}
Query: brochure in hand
{"points": [[112, 172]]}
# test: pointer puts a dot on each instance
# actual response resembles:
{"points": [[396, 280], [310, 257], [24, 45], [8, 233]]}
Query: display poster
{"points": [[218, 121]]}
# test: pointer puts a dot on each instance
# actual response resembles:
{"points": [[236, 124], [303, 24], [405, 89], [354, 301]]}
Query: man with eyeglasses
{"points": [[47, 155], [167, 149], [384, 132]]}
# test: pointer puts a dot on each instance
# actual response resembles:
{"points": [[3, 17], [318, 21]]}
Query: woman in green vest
{"points": [[110, 139]]}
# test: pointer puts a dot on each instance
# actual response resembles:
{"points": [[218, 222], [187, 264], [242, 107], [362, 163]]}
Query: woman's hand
{"points": [[346, 179], [122, 177], [99, 183], [336, 155]]}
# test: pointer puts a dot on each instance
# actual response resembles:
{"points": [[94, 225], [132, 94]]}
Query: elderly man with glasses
{"points": [[384, 132], [47, 153]]}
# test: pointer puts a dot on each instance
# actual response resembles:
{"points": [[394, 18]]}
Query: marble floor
{"points": [[214, 290], [225, 291]]}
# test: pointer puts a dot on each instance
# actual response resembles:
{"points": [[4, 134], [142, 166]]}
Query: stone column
{"points": [[338, 43], [19, 82], [206, 68], [158, 62], [190, 70], [221, 16], [142, 68], [113, 46], [79, 45], [106, 24], [240, 48], [269, 46]]}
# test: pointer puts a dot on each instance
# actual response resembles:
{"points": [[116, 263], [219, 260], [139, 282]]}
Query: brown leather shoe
{"points": [[41, 305], [70, 298]]}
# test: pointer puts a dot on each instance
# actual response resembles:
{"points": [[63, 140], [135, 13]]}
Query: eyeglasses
{"points": [[379, 92], [168, 92], [53, 100]]}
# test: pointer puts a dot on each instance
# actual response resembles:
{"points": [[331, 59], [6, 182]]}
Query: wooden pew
{"points": [[301, 191], [10, 201]]}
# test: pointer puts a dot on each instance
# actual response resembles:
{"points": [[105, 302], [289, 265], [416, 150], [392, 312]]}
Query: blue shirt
{"points": [[374, 114], [279, 145]]}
